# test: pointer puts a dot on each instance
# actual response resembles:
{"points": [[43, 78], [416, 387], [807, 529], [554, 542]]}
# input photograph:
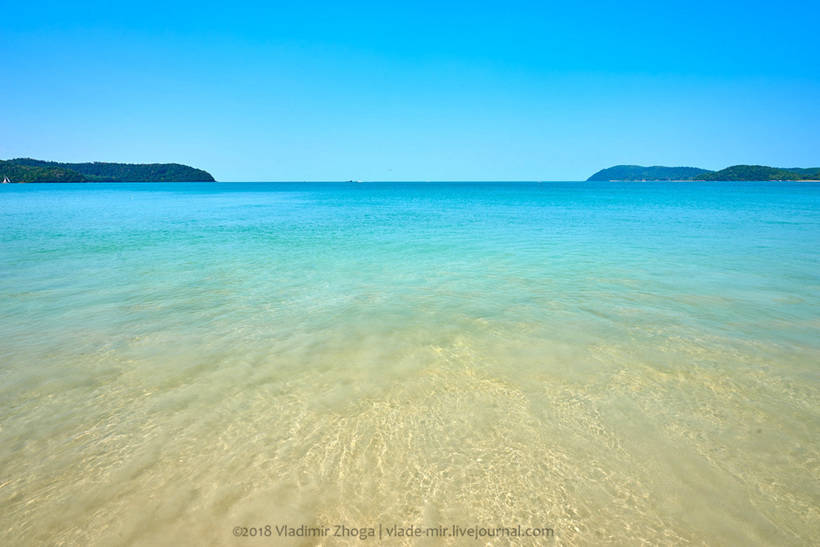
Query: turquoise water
{"points": [[623, 363]]}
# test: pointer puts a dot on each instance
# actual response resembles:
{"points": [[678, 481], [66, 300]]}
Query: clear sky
{"points": [[412, 91]]}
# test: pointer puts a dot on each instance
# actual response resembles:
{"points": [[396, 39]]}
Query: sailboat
{"points": [[6, 180]]}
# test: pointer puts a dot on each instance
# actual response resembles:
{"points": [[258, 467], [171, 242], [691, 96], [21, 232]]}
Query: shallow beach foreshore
{"points": [[617, 363]]}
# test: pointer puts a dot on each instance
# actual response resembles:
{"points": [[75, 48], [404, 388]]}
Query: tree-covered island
{"points": [[31, 170], [733, 173]]}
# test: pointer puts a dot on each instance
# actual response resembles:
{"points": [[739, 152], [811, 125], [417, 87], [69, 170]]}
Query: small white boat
{"points": [[6, 180]]}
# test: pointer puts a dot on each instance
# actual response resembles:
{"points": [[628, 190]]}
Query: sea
{"points": [[471, 363]]}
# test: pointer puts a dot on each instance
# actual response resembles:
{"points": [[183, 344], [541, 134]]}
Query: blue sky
{"points": [[412, 91]]}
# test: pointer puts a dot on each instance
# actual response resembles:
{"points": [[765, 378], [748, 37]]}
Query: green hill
{"points": [[761, 172], [31, 170], [810, 173], [733, 173], [25, 173], [639, 172]]}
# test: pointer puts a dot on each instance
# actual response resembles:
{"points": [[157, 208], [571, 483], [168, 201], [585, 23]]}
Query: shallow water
{"points": [[622, 363]]}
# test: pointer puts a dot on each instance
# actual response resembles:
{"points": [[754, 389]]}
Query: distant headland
{"points": [[733, 173], [31, 170]]}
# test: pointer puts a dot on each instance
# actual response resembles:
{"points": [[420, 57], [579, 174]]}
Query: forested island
{"points": [[639, 172], [733, 173], [31, 170]]}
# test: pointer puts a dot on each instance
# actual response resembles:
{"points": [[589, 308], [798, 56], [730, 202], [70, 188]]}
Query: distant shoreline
{"points": [[28, 170], [736, 173]]}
